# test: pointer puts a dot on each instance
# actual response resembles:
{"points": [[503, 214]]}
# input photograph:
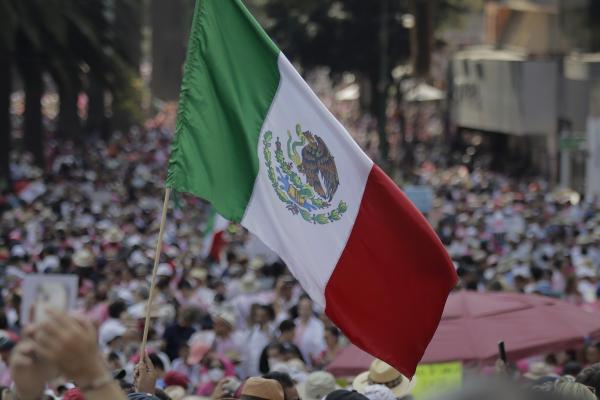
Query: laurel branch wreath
{"points": [[302, 189]]}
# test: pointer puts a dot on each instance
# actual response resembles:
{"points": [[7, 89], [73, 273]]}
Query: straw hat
{"points": [[84, 258], [199, 273], [226, 317], [175, 392], [249, 284], [539, 370], [318, 384], [114, 235], [262, 388], [380, 373]]}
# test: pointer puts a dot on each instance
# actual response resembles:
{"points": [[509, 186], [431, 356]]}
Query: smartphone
{"points": [[502, 351]]}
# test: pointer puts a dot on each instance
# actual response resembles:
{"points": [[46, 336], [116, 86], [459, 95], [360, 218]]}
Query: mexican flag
{"points": [[256, 142], [214, 235]]}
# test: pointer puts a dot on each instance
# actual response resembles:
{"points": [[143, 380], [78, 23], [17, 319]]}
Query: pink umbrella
{"points": [[473, 324]]}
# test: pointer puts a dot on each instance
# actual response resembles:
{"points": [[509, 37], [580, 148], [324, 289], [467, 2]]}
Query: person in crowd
{"points": [[333, 347], [290, 392], [381, 373], [309, 330], [177, 334], [318, 384], [342, 394], [590, 377], [112, 330], [282, 349]]}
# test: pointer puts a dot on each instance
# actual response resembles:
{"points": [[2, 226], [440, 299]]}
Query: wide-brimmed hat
{"points": [[381, 373], [114, 235], [175, 392], [226, 317], [249, 284], [262, 388], [199, 273], [84, 258], [318, 384], [538, 370]]}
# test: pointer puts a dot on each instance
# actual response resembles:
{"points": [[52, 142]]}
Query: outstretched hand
{"points": [[29, 373], [70, 343], [145, 376]]}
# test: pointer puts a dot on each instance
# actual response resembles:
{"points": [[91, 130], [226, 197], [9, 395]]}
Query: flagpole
{"points": [[159, 241]]}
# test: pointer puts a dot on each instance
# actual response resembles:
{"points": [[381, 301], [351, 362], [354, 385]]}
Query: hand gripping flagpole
{"points": [[159, 241]]}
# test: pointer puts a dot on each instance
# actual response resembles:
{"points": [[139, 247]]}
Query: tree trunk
{"points": [[168, 47], [5, 125], [422, 37], [383, 83], [34, 88], [96, 118], [69, 125]]}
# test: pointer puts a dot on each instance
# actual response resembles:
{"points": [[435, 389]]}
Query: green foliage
{"points": [[70, 38]]}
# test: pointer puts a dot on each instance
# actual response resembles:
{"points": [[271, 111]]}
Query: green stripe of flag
{"points": [[229, 82]]}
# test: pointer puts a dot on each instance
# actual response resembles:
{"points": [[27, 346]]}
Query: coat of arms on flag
{"points": [[311, 159]]}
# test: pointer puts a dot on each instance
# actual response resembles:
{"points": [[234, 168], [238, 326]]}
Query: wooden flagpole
{"points": [[159, 241]]}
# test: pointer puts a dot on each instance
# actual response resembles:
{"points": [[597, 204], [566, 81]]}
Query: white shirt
{"points": [[310, 338]]}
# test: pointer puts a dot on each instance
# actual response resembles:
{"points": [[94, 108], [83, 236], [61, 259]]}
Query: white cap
{"points": [[164, 269]]}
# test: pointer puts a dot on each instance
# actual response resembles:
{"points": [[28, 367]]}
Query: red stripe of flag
{"points": [[389, 287]]}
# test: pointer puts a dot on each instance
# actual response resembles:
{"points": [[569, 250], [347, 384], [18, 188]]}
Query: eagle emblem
{"points": [[304, 175]]}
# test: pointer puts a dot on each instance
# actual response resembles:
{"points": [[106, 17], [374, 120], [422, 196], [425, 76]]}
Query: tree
{"points": [[170, 22], [71, 41], [6, 47], [364, 37]]}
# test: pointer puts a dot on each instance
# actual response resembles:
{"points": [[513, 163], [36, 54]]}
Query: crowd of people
{"points": [[236, 323]]}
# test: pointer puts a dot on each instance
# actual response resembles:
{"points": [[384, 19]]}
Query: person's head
{"points": [[157, 362], [286, 382], [116, 308], [187, 316], [216, 368], [342, 394], [264, 314], [223, 324], [287, 330], [572, 368], [317, 385], [573, 390], [287, 287], [592, 353], [6, 346], [114, 361], [186, 288], [305, 308], [332, 336], [590, 377], [274, 354]]}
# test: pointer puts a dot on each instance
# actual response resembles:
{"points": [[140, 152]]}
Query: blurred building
{"points": [[528, 87]]}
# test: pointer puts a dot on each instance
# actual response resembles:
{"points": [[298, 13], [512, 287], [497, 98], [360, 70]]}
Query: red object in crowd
{"points": [[473, 324], [174, 378], [73, 394]]}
